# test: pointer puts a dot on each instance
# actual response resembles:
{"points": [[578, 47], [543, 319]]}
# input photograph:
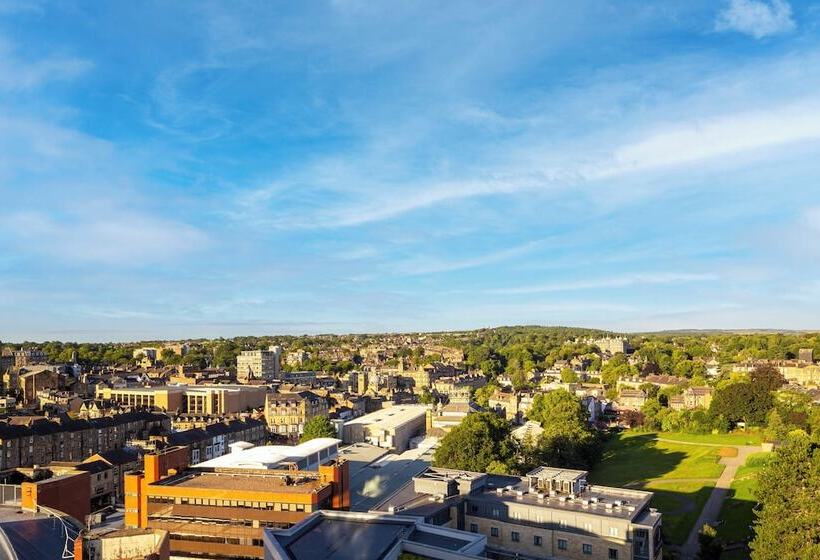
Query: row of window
{"points": [[271, 506], [537, 540]]}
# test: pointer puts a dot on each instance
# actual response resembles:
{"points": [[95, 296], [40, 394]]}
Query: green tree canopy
{"points": [[318, 427], [480, 440], [788, 521]]}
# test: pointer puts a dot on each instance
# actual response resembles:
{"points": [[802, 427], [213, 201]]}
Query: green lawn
{"points": [[681, 475], [734, 438], [737, 513]]}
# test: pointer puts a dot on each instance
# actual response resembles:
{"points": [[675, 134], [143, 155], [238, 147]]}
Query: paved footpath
{"points": [[711, 510]]}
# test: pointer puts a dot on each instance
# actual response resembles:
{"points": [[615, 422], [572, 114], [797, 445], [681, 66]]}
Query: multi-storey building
{"points": [[259, 364], [549, 513], [287, 413], [24, 358], [190, 399], [631, 399], [222, 512], [45, 441], [391, 428], [214, 440]]}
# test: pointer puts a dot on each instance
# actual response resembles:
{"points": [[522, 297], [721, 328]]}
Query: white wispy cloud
{"points": [[112, 238], [758, 18], [613, 282], [430, 265], [17, 74]]}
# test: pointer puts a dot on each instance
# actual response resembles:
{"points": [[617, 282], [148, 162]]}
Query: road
{"points": [[371, 485], [711, 510]]}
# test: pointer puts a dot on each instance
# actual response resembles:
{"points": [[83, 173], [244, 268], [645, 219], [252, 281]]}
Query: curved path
{"points": [[711, 510]]}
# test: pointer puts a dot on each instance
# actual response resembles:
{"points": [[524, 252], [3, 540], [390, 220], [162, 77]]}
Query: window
{"points": [[536, 540], [516, 536], [586, 548], [613, 554], [473, 528], [493, 531], [613, 531], [562, 544]]}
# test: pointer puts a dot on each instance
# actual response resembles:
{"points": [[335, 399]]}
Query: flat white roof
{"points": [[269, 456], [391, 417]]}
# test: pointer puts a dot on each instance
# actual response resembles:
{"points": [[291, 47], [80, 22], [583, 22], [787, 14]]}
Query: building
{"points": [[631, 399], [45, 441], [30, 382], [506, 404], [259, 364], [306, 456], [693, 397], [548, 514], [223, 511], [297, 358], [101, 478], [190, 399], [391, 428], [287, 413], [446, 417], [610, 345], [123, 544], [341, 535], [806, 355], [459, 388], [34, 534], [215, 440], [121, 461], [69, 493], [23, 358]]}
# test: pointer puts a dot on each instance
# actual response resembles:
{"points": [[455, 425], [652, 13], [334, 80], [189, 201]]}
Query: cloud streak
{"points": [[757, 18], [646, 279]]}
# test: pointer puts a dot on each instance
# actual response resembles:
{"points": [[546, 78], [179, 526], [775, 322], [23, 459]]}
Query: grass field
{"points": [[737, 515], [681, 475], [734, 438]]}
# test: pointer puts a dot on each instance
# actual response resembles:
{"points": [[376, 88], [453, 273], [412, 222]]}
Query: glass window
{"points": [[536, 540], [516, 536], [613, 554], [562, 544], [473, 528], [493, 531], [586, 548]]}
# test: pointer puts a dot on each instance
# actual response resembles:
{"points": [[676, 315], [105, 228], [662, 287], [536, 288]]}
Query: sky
{"points": [[203, 169]]}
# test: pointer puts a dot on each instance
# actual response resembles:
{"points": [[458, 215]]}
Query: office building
{"points": [[221, 512], [188, 399], [548, 514]]}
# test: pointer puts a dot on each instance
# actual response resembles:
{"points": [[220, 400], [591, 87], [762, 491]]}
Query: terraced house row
{"points": [[43, 441]]}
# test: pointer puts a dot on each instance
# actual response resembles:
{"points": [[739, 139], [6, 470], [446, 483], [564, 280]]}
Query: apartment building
{"points": [[23, 358], [45, 441], [190, 399], [222, 512], [548, 514], [631, 399], [287, 413], [259, 364]]}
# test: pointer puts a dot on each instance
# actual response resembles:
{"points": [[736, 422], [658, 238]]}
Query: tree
{"points": [[776, 429], [766, 378], [425, 396], [482, 395], [318, 427], [480, 440], [788, 519], [741, 402], [568, 376], [710, 548]]}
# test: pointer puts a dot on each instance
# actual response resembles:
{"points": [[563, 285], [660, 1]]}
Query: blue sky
{"points": [[186, 169]]}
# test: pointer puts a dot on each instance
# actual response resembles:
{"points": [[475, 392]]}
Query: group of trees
{"points": [[788, 516], [483, 441]]}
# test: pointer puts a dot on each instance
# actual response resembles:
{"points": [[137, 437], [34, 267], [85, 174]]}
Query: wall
{"points": [[70, 494]]}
